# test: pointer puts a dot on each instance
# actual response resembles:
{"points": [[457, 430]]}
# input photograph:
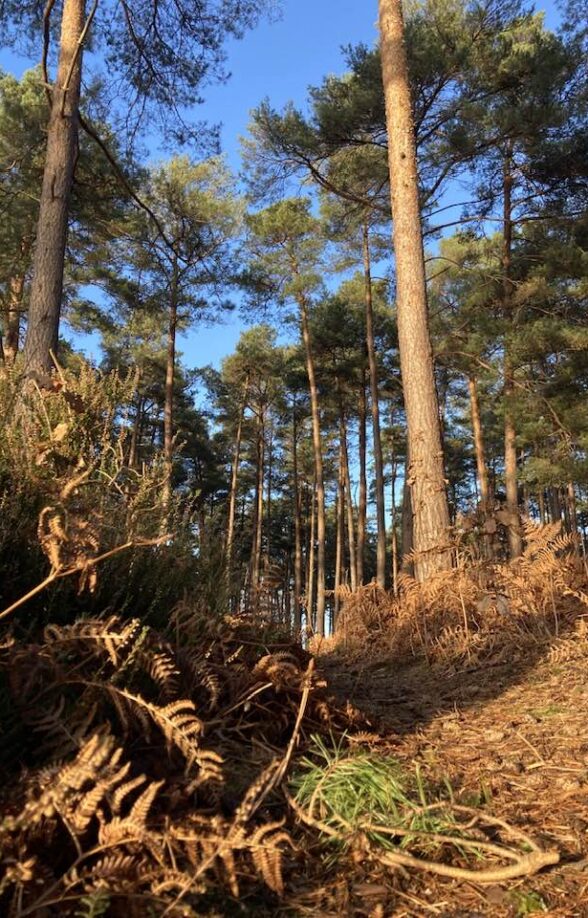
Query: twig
{"points": [[76, 568]]}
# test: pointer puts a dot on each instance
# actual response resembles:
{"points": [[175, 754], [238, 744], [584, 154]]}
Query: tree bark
{"points": [[510, 435], [233, 491], [318, 470], [393, 509], [483, 477], [349, 508], [340, 529], [426, 475], [62, 138], [310, 563], [362, 500], [375, 406], [297, 528], [258, 511], [170, 371], [11, 341]]}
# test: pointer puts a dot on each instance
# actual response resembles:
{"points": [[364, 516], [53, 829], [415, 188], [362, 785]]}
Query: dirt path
{"points": [[511, 737]]}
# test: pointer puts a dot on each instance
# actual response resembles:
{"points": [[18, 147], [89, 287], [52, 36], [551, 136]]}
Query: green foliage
{"points": [[356, 791]]}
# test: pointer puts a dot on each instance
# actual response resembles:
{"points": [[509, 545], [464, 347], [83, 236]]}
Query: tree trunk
{"points": [[268, 509], [554, 504], [340, 529], [349, 508], [233, 491], [133, 460], [426, 475], [510, 435], [483, 477], [170, 371], [60, 159], [573, 514], [310, 564], [375, 406], [11, 341], [541, 505], [258, 512], [394, 514], [362, 501], [318, 467], [297, 528]]}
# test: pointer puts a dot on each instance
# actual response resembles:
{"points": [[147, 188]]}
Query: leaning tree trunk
{"points": [[375, 405], [425, 474], [62, 137], [318, 469], [362, 499], [170, 372], [510, 435]]}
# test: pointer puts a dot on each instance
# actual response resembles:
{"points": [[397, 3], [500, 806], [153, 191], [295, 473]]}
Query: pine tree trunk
{"points": [[349, 508], [318, 467], [541, 505], [426, 475], [62, 137], [13, 313], [170, 371], [297, 528], [375, 406], [394, 513], [483, 477], [258, 511], [573, 514], [340, 529], [233, 491], [268, 509], [133, 460], [554, 504], [362, 501], [310, 564], [510, 435]]}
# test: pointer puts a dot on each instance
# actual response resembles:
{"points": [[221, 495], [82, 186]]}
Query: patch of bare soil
{"points": [[511, 738]]}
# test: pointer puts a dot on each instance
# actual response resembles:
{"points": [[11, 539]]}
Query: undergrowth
{"points": [[158, 756], [474, 613]]}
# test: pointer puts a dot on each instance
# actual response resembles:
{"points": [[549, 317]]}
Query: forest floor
{"points": [[512, 736]]}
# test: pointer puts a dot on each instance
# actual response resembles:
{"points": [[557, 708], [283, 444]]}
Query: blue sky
{"points": [[279, 59]]}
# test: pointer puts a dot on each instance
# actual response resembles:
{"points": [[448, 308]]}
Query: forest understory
{"points": [[162, 757]]}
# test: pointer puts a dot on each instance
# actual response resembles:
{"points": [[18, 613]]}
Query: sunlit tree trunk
{"points": [[310, 564], [318, 470], [297, 527], [362, 498], [257, 535], [483, 477], [425, 475], [340, 529], [394, 513], [375, 406], [170, 370], [572, 512], [62, 136], [234, 485], [349, 507], [510, 435]]}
